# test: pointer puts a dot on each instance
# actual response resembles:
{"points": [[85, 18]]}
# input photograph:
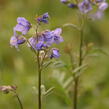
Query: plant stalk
{"points": [[19, 101], [76, 78], [39, 73], [39, 82]]}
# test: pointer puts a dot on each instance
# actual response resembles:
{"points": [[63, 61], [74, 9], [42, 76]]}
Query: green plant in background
{"points": [[85, 11]]}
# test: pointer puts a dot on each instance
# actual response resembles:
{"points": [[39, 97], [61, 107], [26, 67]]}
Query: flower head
{"points": [[7, 89], [46, 39], [55, 53], [50, 37], [32, 42], [40, 45], [57, 35], [85, 6], [64, 1], [72, 5], [23, 25], [17, 40], [37, 45], [97, 15], [43, 18], [103, 6]]}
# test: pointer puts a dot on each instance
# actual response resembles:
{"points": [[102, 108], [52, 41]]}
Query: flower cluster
{"points": [[102, 5], [7, 89], [40, 41], [23, 27], [87, 5], [43, 18], [45, 39], [69, 4], [17, 40]]}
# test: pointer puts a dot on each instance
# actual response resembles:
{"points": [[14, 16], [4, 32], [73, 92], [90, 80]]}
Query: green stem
{"points": [[39, 82], [76, 80], [39, 73], [19, 101], [75, 93], [39, 67]]}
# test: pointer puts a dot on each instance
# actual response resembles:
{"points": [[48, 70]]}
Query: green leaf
{"points": [[49, 91], [99, 50], [68, 82], [46, 64], [79, 68], [59, 64]]}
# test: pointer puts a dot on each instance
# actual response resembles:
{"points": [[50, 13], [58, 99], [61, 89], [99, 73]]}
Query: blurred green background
{"points": [[19, 68]]}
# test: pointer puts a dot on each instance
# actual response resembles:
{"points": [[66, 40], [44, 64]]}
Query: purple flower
{"points": [[72, 5], [23, 25], [46, 39], [43, 18], [40, 45], [64, 1], [103, 6], [57, 35], [36, 45], [85, 6], [50, 37], [7, 89], [55, 53], [32, 42], [47, 35], [97, 15], [17, 40], [13, 41]]}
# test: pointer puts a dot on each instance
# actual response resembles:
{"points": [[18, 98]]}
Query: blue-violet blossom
{"points": [[23, 25], [64, 1], [57, 38], [85, 6], [40, 45], [46, 39], [97, 15], [17, 40], [55, 53], [43, 18], [72, 5], [103, 6]]}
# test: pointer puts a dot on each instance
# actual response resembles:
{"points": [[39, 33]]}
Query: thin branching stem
{"points": [[19, 100], [43, 59], [39, 73]]}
